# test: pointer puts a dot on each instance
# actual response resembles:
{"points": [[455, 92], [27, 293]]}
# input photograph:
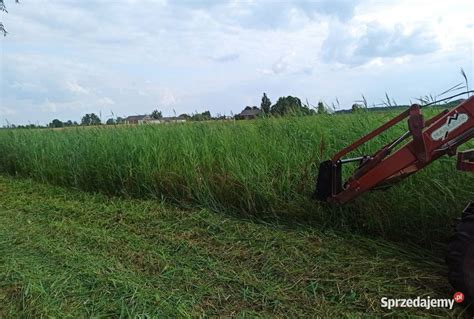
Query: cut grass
{"points": [[66, 253]]}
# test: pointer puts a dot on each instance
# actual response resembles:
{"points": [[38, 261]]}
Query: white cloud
{"points": [[76, 88], [27, 86], [289, 64], [167, 97], [355, 46], [5, 111], [225, 57], [48, 107], [105, 101]]}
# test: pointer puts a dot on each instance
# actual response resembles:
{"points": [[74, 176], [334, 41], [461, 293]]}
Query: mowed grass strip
{"points": [[66, 253]]}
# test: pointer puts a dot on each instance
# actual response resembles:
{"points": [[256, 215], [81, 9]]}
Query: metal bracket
{"points": [[466, 161]]}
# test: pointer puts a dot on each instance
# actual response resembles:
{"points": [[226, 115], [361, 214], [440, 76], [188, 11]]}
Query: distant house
{"points": [[225, 118], [146, 119], [248, 113], [172, 119], [137, 119]]}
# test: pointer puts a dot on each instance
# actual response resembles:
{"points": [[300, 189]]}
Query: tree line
{"points": [[285, 106]]}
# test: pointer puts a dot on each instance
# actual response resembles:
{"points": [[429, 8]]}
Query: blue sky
{"points": [[62, 59]]}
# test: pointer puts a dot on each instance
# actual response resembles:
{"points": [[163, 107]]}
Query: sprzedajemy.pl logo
{"points": [[421, 302]]}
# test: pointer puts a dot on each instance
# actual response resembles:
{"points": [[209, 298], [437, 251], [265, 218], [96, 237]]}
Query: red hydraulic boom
{"points": [[425, 141]]}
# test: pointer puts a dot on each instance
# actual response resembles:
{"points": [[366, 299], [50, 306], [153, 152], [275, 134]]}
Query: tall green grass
{"points": [[265, 168]]}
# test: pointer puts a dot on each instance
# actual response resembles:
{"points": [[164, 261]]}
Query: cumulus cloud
{"points": [[383, 42], [341, 9], [289, 64], [348, 45], [268, 14]]}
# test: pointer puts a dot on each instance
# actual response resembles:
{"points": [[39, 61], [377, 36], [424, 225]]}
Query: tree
{"points": [[184, 116], [266, 104], [204, 116], [110, 122], [90, 119], [4, 9], [156, 115], [357, 107], [290, 105], [119, 120], [251, 108], [56, 123], [321, 108]]}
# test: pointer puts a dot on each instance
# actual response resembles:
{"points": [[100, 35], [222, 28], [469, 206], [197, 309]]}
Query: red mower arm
{"points": [[430, 140]]}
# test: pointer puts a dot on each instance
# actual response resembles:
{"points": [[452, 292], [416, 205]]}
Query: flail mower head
{"points": [[329, 180]]}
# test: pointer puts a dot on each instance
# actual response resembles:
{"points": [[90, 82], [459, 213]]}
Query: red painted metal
{"points": [[430, 140], [371, 135], [466, 161]]}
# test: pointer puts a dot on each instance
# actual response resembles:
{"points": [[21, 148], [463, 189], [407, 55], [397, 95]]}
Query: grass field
{"points": [[264, 168], [66, 253]]}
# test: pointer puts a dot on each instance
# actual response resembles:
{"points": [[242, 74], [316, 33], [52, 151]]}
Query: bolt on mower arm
{"points": [[431, 139]]}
